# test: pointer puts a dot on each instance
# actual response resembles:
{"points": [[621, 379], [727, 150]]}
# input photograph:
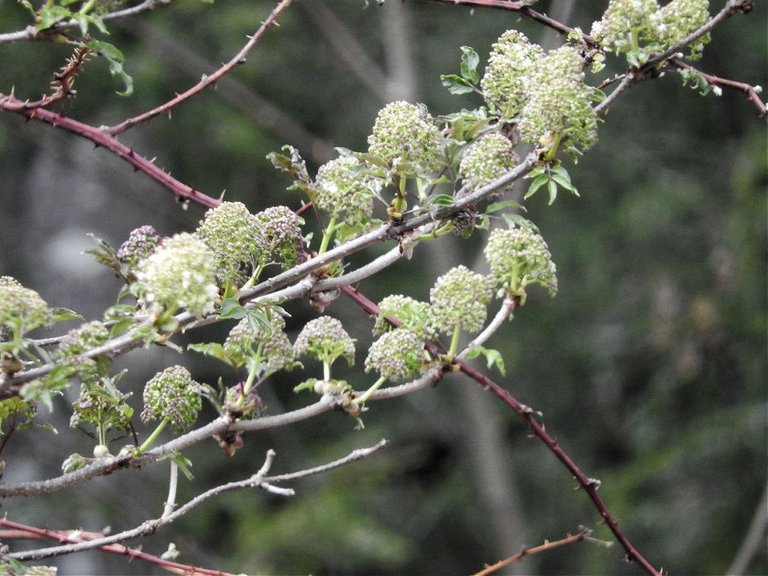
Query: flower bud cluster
{"points": [[405, 134], [559, 102], [82, 339], [413, 315], [325, 339], [343, 190], [246, 336], [180, 273], [282, 228], [628, 25], [519, 256], [624, 24], [459, 298], [174, 395], [680, 18], [237, 240], [487, 159], [396, 355], [140, 244], [505, 82], [21, 309]]}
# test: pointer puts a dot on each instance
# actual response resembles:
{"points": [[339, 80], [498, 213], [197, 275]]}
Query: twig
{"points": [[531, 551], [173, 482], [31, 32], [259, 480], [24, 531], [207, 80]]}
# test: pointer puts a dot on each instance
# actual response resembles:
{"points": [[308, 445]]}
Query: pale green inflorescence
{"points": [[414, 315], [559, 106], [519, 256], [326, 340], [245, 337], [459, 298], [505, 82], [625, 24], [21, 309], [486, 160], [282, 228], [141, 242], [405, 134], [680, 18], [236, 239], [179, 274], [345, 192], [174, 395], [396, 355], [79, 340]]}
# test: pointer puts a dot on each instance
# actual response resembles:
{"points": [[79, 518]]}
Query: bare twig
{"points": [[259, 480], [207, 80]]}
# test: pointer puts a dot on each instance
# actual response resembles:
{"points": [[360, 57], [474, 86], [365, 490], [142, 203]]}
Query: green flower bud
{"points": [[559, 103], [680, 18], [345, 191], [21, 309], [140, 244], [326, 340], [519, 256], [487, 159], [396, 355], [415, 316], [180, 273], [236, 239], [505, 83], [245, 337], [405, 135], [624, 24], [282, 228], [174, 395], [82, 339], [459, 298]]}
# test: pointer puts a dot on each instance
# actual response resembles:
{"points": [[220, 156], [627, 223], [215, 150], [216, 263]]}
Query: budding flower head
{"points": [[396, 355], [326, 340], [246, 336], [79, 340], [680, 18], [505, 82], [236, 239], [140, 244], [519, 256], [342, 189], [487, 159], [21, 309], [559, 106], [405, 135], [459, 298], [624, 24], [174, 395], [414, 315], [282, 228], [180, 273]]}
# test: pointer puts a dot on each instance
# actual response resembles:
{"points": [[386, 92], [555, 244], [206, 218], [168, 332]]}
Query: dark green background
{"points": [[649, 366]]}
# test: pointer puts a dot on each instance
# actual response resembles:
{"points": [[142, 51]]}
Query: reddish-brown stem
{"points": [[99, 137], [531, 551], [24, 531], [207, 80], [589, 485]]}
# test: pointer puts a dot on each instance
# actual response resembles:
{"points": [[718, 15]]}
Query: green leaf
{"points": [[215, 349], [503, 205], [493, 358], [115, 59], [469, 62], [456, 84], [65, 314], [441, 200], [560, 175], [231, 308]]}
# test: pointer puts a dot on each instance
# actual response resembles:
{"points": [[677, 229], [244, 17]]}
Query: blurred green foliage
{"points": [[649, 366]]}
